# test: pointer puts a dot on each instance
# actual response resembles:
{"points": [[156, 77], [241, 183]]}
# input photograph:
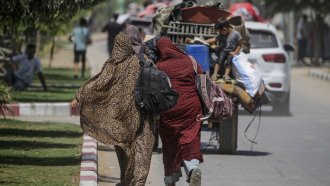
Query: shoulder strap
{"points": [[141, 59], [193, 61], [205, 97]]}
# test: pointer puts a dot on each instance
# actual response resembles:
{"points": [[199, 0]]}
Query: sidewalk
{"points": [[322, 72], [96, 54]]}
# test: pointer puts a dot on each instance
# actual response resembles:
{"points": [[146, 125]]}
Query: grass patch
{"points": [[62, 76], [61, 87], [36, 153], [38, 95]]}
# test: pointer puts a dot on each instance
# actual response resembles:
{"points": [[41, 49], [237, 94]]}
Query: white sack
{"points": [[247, 73]]}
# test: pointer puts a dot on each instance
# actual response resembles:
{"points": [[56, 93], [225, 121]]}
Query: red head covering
{"points": [[167, 50]]}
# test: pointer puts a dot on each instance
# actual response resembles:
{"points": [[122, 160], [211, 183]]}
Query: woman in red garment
{"points": [[179, 127]]}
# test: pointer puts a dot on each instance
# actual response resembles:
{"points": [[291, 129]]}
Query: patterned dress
{"points": [[108, 112]]}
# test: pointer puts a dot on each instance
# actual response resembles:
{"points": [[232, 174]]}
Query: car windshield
{"points": [[262, 39]]}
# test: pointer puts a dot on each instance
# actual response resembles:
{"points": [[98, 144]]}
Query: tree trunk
{"points": [[37, 40], [51, 52]]}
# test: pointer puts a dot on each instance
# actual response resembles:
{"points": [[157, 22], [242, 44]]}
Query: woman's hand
{"points": [[232, 53], [74, 103]]}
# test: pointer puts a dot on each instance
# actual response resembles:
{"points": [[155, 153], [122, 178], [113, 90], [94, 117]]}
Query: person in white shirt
{"points": [[28, 65], [80, 36]]}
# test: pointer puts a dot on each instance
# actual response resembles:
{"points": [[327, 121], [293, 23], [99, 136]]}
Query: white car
{"points": [[272, 58]]}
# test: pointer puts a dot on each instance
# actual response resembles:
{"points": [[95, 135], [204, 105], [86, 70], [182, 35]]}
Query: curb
{"points": [[40, 109], [319, 74], [88, 168]]}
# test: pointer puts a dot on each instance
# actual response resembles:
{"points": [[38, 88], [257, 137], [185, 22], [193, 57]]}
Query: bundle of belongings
{"points": [[247, 84], [248, 102], [238, 24], [190, 12]]}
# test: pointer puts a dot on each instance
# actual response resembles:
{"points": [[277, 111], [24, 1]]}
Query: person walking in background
{"points": [[108, 112], [113, 28], [80, 36], [179, 128], [302, 39], [28, 65]]}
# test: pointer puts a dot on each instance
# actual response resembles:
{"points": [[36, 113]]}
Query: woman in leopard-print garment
{"points": [[108, 112]]}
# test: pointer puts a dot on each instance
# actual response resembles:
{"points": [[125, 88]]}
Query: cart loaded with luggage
{"points": [[188, 25]]}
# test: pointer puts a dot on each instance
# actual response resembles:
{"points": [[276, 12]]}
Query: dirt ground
{"points": [[63, 56]]}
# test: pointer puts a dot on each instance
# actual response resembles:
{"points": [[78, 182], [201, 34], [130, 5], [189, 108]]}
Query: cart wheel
{"points": [[228, 134]]}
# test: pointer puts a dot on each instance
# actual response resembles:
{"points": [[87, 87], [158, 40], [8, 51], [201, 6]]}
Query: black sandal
{"points": [[227, 79]]}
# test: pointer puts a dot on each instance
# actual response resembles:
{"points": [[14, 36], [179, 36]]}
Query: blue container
{"points": [[201, 54]]}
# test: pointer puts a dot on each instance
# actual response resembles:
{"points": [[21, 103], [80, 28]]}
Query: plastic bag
{"points": [[247, 73]]}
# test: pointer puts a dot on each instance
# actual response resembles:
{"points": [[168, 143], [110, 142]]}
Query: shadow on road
{"points": [[215, 150], [237, 153], [266, 113], [251, 153], [210, 151], [106, 148], [107, 179]]}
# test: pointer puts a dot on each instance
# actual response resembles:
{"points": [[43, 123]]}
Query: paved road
{"points": [[291, 150]]}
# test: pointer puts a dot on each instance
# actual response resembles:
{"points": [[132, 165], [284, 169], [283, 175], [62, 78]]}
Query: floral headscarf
{"points": [[134, 33]]}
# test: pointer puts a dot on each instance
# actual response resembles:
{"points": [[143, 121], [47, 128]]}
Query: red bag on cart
{"points": [[216, 105]]}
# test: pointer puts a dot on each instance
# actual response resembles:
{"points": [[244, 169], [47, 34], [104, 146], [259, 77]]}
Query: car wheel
{"points": [[282, 107]]}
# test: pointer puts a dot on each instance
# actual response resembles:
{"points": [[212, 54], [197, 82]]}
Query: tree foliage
{"points": [[4, 94], [25, 17], [321, 7], [4, 97], [41, 11]]}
